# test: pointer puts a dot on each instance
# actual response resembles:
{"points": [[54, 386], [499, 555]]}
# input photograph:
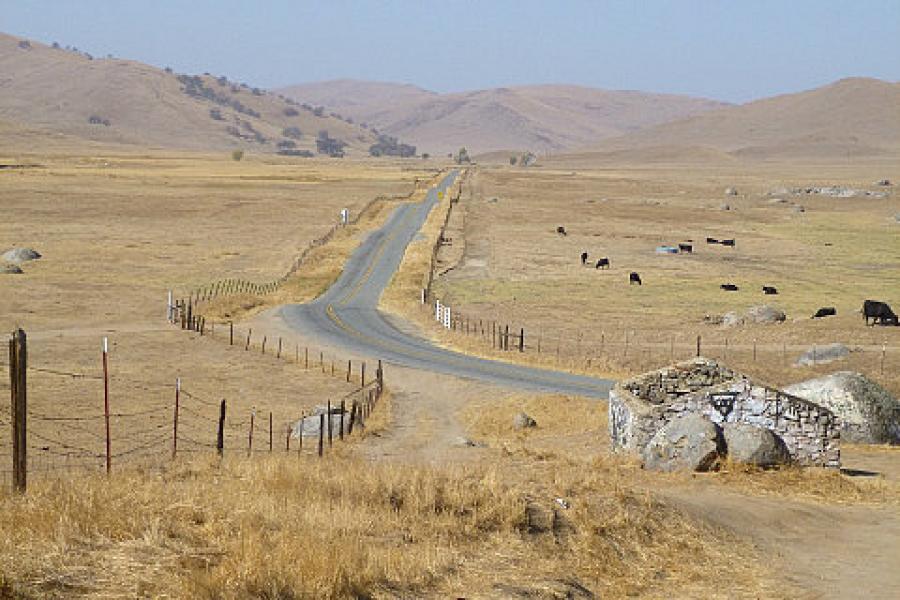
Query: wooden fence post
{"points": [[18, 368], [330, 432], [341, 431], [106, 402], [175, 422], [287, 439], [322, 361], [220, 435], [321, 434], [250, 437], [278, 355], [362, 375], [270, 431], [379, 375], [522, 339], [231, 333], [249, 333], [698, 345], [300, 437], [349, 369], [352, 418], [264, 345]]}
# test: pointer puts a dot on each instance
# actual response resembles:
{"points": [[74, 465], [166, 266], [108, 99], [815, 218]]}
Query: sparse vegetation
{"points": [[194, 87], [462, 156], [237, 155], [290, 111], [389, 146], [25, 45], [98, 120], [326, 144], [216, 114], [286, 144], [295, 152], [292, 132]]}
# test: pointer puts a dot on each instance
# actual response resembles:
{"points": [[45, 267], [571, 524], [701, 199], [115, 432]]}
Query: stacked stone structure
{"points": [[639, 407]]}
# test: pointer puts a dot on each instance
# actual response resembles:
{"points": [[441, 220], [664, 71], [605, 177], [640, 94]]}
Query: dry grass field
{"points": [[116, 231], [507, 263]]}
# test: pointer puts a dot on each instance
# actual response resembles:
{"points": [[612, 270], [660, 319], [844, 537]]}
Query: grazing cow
{"points": [[602, 263], [828, 311], [710, 240], [729, 287], [727, 243], [686, 248], [634, 278], [879, 312], [584, 256], [769, 290], [561, 230]]}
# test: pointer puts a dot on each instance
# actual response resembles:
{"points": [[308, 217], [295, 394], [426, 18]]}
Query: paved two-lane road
{"points": [[347, 316]]}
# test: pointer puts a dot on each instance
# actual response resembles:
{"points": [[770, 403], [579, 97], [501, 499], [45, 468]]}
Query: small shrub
{"points": [[287, 144], [237, 155], [25, 45], [291, 112], [168, 70], [216, 114], [319, 111], [292, 132], [294, 152], [98, 120]]}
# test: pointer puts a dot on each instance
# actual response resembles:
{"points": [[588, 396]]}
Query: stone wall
{"points": [[638, 408]]}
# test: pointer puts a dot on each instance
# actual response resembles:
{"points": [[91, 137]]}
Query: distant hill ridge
{"points": [[539, 118], [127, 102]]}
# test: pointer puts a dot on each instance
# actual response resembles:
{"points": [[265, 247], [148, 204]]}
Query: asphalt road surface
{"points": [[347, 316]]}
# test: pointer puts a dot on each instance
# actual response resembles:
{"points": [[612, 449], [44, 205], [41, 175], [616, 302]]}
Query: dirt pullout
{"points": [[834, 551]]}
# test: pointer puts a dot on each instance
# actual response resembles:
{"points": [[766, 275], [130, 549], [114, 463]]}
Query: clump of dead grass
{"points": [[282, 527]]}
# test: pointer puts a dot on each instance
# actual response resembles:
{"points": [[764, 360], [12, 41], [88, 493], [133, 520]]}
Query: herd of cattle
{"points": [[879, 312]]}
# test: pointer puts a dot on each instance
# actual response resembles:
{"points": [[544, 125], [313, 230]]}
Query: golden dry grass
{"points": [[517, 270], [284, 527]]}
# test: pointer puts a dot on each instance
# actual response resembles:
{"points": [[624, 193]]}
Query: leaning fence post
{"points": [[18, 366], [278, 355], [220, 435]]}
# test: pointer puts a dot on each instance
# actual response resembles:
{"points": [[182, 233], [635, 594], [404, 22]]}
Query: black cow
{"points": [[561, 230], [584, 256], [603, 263], [634, 278], [769, 290], [879, 312], [729, 287], [687, 248], [710, 240], [727, 243], [828, 311]]}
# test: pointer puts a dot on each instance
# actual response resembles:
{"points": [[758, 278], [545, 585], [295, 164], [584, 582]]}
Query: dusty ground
{"points": [[116, 231], [506, 263]]}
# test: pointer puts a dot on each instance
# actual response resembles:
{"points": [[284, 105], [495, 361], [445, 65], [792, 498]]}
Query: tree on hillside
{"points": [[513, 160], [463, 156]]}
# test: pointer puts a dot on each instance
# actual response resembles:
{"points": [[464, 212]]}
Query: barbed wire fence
{"points": [[172, 420]]}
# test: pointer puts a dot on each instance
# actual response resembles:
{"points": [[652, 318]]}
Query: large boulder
{"points": [[20, 255], [754, 445], [687, 443], [868, 413], [820, 355], [10, 269], [523, 421]]}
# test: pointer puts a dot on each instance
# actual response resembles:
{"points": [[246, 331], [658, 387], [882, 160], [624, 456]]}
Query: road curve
{"points": [[347, 315]]}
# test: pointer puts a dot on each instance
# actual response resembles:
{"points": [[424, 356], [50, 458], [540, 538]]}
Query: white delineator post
{"points": [[438, 314], [447, 317]]}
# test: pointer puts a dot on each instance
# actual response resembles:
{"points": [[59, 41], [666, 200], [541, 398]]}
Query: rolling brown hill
{"points": [[856, 117], [538, 118], [127, 102]]}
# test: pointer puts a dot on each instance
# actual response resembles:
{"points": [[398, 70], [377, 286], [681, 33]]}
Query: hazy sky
{"points": [[728, 50]]}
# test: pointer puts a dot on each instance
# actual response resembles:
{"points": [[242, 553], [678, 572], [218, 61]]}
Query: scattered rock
{"points": [[777, 201], [897, 217], [820, 355], [754, 445], [798, 209], [731, 191], [731, 319], [467, 443], [523, 421], [689, 442], [10, 269], [764, 315], [725, 207], [884, 182], [20, 255], [713, 319], [868, 413]]}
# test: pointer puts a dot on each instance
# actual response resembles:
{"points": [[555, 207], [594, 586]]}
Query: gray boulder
{"points": [[731, 319], [868, 413], [764, 314], [523, 421], [20, 255], [10, 269], [688, 443], [820, 355], [754, 445]]}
